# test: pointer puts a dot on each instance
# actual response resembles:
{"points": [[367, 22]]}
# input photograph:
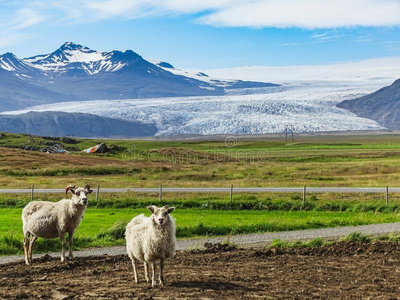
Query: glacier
{"points": [[300, 107]]}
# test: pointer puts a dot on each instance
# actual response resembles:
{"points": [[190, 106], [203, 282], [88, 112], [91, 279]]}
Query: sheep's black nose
{"points": [[161, 220]]}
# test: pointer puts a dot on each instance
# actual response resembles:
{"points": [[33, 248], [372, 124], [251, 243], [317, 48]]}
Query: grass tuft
{"points": [[116, 232], [358, 237]]}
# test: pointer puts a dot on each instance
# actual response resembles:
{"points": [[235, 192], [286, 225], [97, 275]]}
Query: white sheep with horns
{"points": [[54, 219], [151, 240]]}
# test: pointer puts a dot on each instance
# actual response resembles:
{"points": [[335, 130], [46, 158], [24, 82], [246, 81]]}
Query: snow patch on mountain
{"points": [[198, 75], [71, 55]]}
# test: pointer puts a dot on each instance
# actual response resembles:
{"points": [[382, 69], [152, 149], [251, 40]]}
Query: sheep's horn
{"points": [[87, 187], [68, 188]]}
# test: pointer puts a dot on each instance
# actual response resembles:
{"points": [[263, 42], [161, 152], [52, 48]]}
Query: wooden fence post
{"points": [[160, 193], [387, 195], [231, 193], [304, 195], [33, 187], [97, 193]]}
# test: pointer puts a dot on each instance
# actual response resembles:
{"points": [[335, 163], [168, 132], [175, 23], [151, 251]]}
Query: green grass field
{"points": [[102, 227], [331, 160], [312, 161]]}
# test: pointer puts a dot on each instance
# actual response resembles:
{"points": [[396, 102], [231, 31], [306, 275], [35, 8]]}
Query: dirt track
{"points": [[340, 271]]}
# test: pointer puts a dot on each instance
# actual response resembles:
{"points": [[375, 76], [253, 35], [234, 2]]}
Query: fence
{"points": [[231, 190]]}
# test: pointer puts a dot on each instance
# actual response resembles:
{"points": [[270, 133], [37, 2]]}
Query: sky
{"points": [[207, 34]]}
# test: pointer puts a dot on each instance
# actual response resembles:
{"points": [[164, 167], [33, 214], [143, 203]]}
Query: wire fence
{"points": [[231, 190]]}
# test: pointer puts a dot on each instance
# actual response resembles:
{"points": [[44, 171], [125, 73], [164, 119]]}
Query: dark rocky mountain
{"points": [[75, 73], [383, 106], [74, 125]]}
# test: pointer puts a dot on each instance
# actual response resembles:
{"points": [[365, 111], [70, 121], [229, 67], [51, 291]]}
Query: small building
{"points": [[100, 148]]}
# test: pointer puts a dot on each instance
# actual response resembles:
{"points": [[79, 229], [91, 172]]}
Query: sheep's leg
{"points": [[31, 243], [63, 242], [26, 247], [146, 271], [161, 278], [135, 273], [153, 276], [70, 240]]}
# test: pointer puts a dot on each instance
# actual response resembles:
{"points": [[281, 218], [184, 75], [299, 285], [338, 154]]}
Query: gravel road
{"points": [[256, 239]]}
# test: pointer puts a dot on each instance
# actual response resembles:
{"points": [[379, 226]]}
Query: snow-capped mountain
{"points": [[75, 72], [10, 62], [71, 57]]}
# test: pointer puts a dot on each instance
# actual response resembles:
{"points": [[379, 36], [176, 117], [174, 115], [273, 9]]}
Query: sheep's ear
{"points": [[151, 208], [171, 209], [87, 188]]}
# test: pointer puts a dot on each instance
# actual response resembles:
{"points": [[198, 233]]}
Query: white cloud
{"points": [[379, 70], [143, 8], [326, 36], [18, 16], [26, 17], [308, 14], [12, 25]]}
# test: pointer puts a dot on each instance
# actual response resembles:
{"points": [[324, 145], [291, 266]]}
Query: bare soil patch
{"points": [[345, 270]]}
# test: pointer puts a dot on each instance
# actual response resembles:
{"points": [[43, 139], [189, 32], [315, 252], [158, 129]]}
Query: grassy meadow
{"points": [[331, 160], [105, 227]]}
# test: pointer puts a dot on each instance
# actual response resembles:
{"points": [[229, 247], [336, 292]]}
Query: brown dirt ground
{"points": [[345, 270]]}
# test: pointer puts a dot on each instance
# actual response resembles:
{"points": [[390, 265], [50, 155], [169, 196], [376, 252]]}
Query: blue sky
{"points": [[209, 33]]}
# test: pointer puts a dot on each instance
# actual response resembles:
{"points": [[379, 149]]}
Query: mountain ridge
{"points": [[74, 72], [383, 106], [73, 125]]}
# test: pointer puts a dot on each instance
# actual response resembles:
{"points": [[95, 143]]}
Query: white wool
{"points": [[47, 219], [51, 220], [147, 241], [150, 242]]}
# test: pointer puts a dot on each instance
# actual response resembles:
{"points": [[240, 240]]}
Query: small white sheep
{"points": [[151, 240], [54, 219]]}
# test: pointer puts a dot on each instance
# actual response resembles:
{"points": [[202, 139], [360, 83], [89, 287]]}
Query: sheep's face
{"points": [[80, 194], [161, 214]]}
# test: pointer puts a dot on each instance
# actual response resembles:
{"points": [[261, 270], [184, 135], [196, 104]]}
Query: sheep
{"points": [[151, 240], [54, 219]]}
